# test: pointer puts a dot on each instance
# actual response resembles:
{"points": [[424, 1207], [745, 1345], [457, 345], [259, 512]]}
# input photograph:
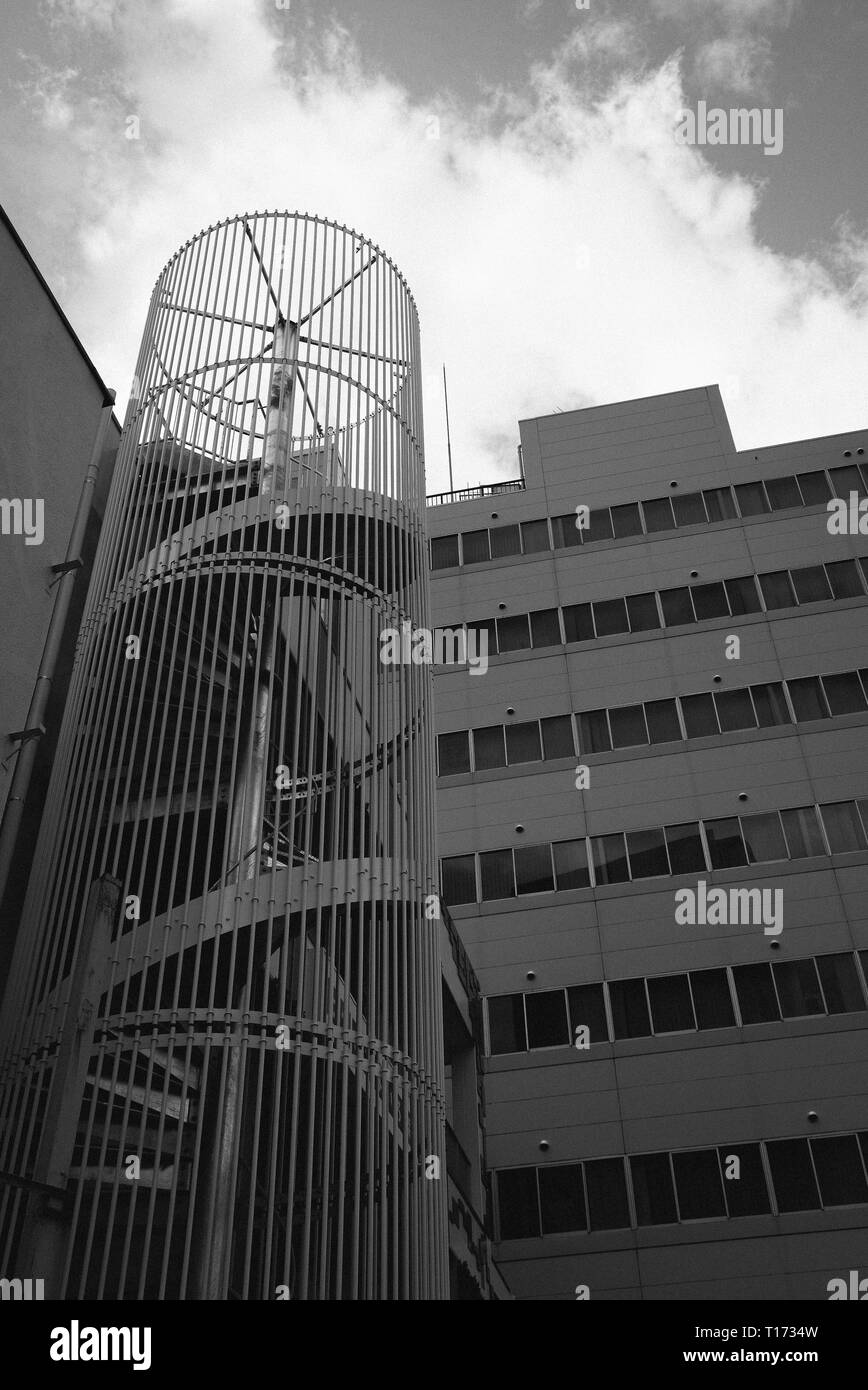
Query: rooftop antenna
{"points": [[448, 435]]}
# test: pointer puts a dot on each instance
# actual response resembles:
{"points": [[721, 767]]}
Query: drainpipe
{"points": [[33, 730]]}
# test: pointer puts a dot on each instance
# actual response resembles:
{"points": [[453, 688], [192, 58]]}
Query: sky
{"points": [[520, 162]]}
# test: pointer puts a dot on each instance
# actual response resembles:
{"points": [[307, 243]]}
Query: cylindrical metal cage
{"points": [[223, 1029]]}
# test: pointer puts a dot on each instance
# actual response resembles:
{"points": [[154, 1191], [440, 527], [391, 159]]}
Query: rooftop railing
{"points": [[470, 494]]}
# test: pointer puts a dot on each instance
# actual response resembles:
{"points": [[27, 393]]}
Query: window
{"points": [[846, 480], [647, 851], [505, 540], [630, 1017], [747, 1194], [734, 710], [522, 743], [770, 704], [764, 838], [534, 536], [671, 1006], [755, 989], [533, 869], [677, 607], [588, 1009], [474, 545], [709, 601], [699, 1186], [444, 552], [578, 623], [711, 999], [610, 617], [495, 873], [565, 532], [814, 488], [811, 584], [599, 525], [517, 1203], [488, 749], [594, 732], [803, 833], [840, 981], [546, 1019], [453, 753], [458, 879], [506, 1030], [513, 634], [843, 827], [844, 579], [798, 988], [839, 1170], [561, 1199], [658, 515], [545, 628], [662, 719], [793, 1175], [808, 699], [700, 716], [653, 1190], [777, 591], [628, 726], [571, 864], [484, 633], [642, 612], [626, 520], [610, 859], [783, 493], [557, 737], [844, 693], [689, 509], [725, 844], [608, 1209], [742, 595], [719, 504], [751, 499], [684, 843]]}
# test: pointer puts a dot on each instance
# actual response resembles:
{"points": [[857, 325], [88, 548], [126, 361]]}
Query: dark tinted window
{"points": [[747, 1194], [533, 869], [642, 612], [843, 827], [630, 1017], [844, 693], [700, 717], [699, 1185], [803, 833], [770, 704], [840, 980], [505, 540], [571, 864], [658, 515], [485, 630], [495, 873], [578, 623], [534, 536], [647, 851], [725, 844], [671, 1006], [444, 552], [546, 1019], [814, 488], [587, 1009], [839, 1170], [565, 531], [606, 1185], [793, 1175], [599, 525], [594, 732], [545, 628], [847, 479], [506, 1024], [517, 1203], [653, 1189], [757, 1000], [783, 493], [488, 747], [513, 634], [458, 879], [522, 743], [662, 718], [474, 545], [777, 590], [808, 699], [562, 1202], [798, 988], [557, 737], [811, 584], [711, 999], [734, 710], [751, 499], [453, 753], [689, 509], [764, 838], [610, 859], [677, 607], [686, 853], [610, 617], [626, 520], [628, 726], [742, 595], [709, 601], [719, 504], [844, 579]]}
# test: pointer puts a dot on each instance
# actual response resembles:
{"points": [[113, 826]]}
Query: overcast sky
{"points": [[516, 158]]}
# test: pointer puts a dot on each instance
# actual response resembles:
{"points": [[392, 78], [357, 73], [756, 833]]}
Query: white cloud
{"points": [[739, 63], [99, 13], [562, 248]]}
